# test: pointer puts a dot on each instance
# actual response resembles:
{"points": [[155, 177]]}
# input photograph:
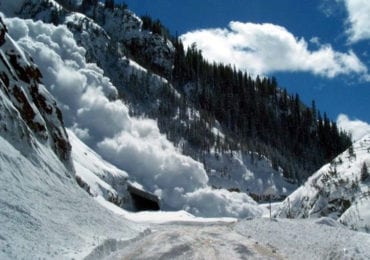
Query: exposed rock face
{"points": [[28, 109], [125, 28], [109, 35]]}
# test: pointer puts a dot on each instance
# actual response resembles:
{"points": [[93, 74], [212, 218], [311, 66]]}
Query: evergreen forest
{"points": [[255, 113]]}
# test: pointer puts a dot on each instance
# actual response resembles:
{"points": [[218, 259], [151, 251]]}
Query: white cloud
{"points": [[266, 48], [356, 127], [135, 145], [358, 19]]}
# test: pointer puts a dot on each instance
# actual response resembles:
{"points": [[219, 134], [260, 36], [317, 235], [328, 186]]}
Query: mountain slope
{"points": [[88, 103], [23, 95], [339, 190], [109, 37], [43, 212]]}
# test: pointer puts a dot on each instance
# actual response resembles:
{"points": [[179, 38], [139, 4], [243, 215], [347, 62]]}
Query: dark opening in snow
{"points": [[143, 200]]}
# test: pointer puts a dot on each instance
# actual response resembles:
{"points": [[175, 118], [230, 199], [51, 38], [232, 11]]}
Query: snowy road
{"points": [[246, 239], [195, 241]]}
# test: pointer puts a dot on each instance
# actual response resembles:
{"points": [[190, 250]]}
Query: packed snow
{"points": [[247, 239], [306, 239]]}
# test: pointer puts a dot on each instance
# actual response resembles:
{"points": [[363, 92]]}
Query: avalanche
{"points": [[87, 100], [45, 214]]}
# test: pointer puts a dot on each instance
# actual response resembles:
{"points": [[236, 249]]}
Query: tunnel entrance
{"points": [[143, 200]]}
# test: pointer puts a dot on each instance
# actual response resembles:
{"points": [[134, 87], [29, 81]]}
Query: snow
{"points": [[193, 242], [160, 217], [247, 239], [336, 190], [247, 173], [102, 178], [266, 208], [307, 239], [132, 144], [44, 214]]}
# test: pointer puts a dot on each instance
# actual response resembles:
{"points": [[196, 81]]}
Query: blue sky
{"points": [[321, 53]]}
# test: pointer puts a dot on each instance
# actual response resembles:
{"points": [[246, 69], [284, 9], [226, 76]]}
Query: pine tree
{"points": [[109, 4], [351, 152], [364, 172]]}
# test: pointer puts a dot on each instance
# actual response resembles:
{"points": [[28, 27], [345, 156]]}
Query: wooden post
{"points": [[270, 206]]}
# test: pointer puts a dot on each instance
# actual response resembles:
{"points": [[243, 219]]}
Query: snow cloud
{"points": [[92, 111], [266, 48], [358, 19], [356, 127]]}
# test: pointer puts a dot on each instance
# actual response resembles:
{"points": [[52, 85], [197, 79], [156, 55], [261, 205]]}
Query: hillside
{"points": [[89, 104], [40, 199], [243, 130], [92, 131], [339, 190]]}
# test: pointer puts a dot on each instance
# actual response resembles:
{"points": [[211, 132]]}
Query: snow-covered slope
{"points": [[43, 212], [337, 190], [24, 96], [107, 36], [87, 100], [98, 177], [249, 173]]}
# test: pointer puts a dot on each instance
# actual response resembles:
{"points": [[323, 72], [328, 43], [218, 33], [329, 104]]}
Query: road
{"points": [[195, 241]]}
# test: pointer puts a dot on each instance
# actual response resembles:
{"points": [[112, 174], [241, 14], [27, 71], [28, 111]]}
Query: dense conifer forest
{"points": [[250, 114], [255, 113]]}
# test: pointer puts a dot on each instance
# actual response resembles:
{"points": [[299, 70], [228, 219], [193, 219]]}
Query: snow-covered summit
{"points": [[340, 190]]}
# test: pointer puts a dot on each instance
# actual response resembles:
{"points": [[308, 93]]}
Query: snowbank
{"points": [[306, 239]]}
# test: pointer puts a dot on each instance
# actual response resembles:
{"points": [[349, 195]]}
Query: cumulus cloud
{"points": [[266, 48], [356, 127], [358, 19], [90, 110]]}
